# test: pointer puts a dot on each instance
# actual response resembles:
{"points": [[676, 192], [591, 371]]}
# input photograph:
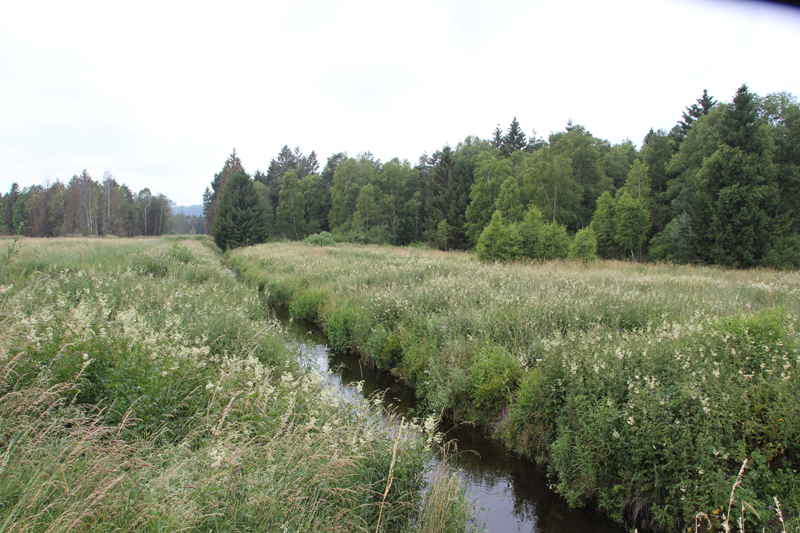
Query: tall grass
{"points": [[142, 388], [643, 388]]}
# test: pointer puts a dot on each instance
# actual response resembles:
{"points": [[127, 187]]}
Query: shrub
{"points": [[279, 293], [340, 324], [322, 238], [391, 353], [584, 246], [182, 254], [157, 265], [493, 377], [307, 304]]}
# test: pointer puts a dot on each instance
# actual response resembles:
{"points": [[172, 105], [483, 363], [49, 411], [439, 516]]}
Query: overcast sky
{"points": [[159, 93]]}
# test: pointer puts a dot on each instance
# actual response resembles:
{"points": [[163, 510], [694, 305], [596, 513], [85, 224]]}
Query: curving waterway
{"points": [[512, 492]]}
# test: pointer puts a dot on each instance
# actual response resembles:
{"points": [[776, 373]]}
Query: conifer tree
{"points": [[212, 196], [514, 138], [736, 187], [243, 217]]}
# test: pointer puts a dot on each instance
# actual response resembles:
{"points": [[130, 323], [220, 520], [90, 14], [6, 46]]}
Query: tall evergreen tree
{"points": [[497, 138], [736, 189], [243, 217], [514, 139], [211, 196]]}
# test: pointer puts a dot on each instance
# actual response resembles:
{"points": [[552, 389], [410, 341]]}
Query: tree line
{"points": [[88, 207], [721, 187]]}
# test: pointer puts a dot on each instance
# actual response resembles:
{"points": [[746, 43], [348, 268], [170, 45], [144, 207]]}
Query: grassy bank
{"points": [[643, 388], [142, 388]]}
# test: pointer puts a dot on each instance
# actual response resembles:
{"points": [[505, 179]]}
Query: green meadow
{"points": [[144, 388], [643, 389]]}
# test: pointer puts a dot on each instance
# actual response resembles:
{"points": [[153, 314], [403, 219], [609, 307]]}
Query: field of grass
{"points": [[143, 388], [643, 388]]}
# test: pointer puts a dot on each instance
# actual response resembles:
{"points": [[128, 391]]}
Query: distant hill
{"points": [[188, 210]]}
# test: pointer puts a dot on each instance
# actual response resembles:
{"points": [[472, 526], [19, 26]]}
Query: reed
{"points": [[143, 388]]}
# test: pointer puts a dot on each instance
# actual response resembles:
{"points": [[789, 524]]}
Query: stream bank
{"points": [[513, 492]]}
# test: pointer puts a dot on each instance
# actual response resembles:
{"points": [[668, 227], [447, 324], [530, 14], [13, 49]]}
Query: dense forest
{"points": [[721, 187]]}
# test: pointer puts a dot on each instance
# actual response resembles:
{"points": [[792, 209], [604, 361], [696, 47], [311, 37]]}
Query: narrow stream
{"points": [[513, 492]]}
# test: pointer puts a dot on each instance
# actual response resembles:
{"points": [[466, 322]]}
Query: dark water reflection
{"points": [[513, 492]]}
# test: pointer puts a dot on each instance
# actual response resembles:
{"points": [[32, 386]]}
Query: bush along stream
{"points": [[641, 390]]}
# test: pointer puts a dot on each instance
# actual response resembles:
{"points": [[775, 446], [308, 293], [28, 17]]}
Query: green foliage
{"points": [[675, 243], [603, 226], [279, 293], [531, 233], [631, 224], [307, 304], [322, 238], [498, 242], [731, 215], [584, 246], [486, 249], [340, 326], [443, 232], [182, 254], [387, 348], [783, 253], [617, 415], [290, 215], [242, 217], [490, 173], [553, 243], [493, 378], [549, 179]]}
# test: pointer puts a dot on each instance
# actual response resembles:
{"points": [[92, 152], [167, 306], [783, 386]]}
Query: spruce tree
{"points": [[514, 138], [212, 196], [243, 216], [736, 189]]}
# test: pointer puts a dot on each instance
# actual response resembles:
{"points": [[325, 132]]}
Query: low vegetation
{"points": [[642, 388], [142, 388]]}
